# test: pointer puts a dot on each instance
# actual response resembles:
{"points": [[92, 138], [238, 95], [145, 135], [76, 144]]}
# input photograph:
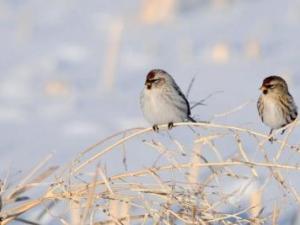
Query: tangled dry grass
{"points": [[211, 179]]}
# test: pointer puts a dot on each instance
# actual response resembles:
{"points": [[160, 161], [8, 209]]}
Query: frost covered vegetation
{"points": [[68, 68], [209, 179]]}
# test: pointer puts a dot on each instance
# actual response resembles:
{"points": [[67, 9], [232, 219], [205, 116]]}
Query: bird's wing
{"points": [[260, 108], [293, 107], [178, 90]]}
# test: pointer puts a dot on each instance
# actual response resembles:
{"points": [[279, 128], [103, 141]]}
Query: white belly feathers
{"points": [[272, 114], [159, 110]]}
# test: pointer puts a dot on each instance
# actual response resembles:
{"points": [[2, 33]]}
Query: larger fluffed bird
{"points": [[162, 101], [276, 106]]}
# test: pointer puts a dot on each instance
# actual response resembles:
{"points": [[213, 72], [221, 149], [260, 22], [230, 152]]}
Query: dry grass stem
{"points": [[182, 182]]}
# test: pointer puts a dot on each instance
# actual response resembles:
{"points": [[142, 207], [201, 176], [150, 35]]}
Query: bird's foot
{"points": [[155, 128], [170, 125], [271, 139]]}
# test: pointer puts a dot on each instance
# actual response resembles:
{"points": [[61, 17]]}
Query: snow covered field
{"points": [[71, 71]]}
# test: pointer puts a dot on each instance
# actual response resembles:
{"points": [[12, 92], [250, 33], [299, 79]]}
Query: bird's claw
{"points": [[271, 139], [170, 125], [155, 128]]}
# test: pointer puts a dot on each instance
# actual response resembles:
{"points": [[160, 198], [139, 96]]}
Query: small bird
{"points": [[162, 101], [276, 106]]}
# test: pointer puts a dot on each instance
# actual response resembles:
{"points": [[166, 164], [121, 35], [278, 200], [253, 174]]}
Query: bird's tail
{"points": [[191, 119]]}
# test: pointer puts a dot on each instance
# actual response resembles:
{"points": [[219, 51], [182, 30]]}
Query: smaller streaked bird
{"points": [[162, 101], [276, 106]]}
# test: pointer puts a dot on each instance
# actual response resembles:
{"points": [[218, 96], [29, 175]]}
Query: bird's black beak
{"points": [[264, 89]]}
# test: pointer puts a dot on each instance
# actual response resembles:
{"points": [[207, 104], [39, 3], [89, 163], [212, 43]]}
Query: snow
{"points": [[54, 57]]}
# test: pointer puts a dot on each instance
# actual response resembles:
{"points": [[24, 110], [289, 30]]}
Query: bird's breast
{"points": [[159, 108], [273, 113]]}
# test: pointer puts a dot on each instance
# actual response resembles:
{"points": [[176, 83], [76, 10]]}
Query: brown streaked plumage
{"points": [[276, 106]]}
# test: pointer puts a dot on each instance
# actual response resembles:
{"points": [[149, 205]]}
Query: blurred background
{"points": [[71, 71]]}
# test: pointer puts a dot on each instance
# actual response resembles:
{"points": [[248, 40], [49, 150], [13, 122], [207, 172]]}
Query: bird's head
{"points": [[157, 78], [274, 85]]}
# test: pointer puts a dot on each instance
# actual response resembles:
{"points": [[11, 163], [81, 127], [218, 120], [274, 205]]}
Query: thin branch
{"points": [[202, 101], [190, 87]]}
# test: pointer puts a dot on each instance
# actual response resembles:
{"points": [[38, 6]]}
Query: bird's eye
{"points": [[156, 81], [270, 86]]}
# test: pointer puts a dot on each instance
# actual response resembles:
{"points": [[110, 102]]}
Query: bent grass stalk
{"points": [[194, 184]]}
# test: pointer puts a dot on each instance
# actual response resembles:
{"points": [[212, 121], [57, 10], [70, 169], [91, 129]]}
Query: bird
{"points": [[162, 101], [276, 106]]}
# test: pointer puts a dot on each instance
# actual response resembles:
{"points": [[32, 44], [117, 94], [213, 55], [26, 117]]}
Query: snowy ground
{"points": [[55, 97]]}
